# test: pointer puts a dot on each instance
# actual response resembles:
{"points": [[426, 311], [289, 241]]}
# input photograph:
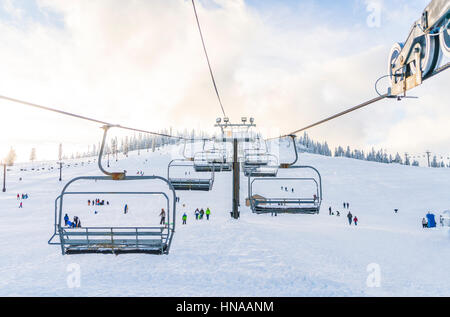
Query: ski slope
{"points": [[257, 255]]}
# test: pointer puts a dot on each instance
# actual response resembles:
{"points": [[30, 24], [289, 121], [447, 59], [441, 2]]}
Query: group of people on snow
{"points": [[76, 223], [21, 196], [350, 217], [200, 213], [286, 189], [97, 202], [331, 213]]}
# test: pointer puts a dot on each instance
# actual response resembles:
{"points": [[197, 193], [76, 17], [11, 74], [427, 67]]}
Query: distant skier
{"points": [[348, 205], [20, 205], [329, 210], [355, 220], [197, 213], [292, 190], [184, 218], [125, 209], [76, 222], [337, 213], [395, 210], [202, 212], [89, 202], [350, 218], [343, 205], [162, 214], [18, 197], [66, 219], [208, 212], [424, 223]]}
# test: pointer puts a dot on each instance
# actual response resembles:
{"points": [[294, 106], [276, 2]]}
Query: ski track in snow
{"points": [[257, 255]]}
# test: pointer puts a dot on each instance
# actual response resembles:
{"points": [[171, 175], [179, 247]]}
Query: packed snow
{"points": [[386, 254]]}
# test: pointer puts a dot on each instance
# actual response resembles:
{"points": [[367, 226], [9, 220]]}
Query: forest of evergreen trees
{"points": [[306, 144]]}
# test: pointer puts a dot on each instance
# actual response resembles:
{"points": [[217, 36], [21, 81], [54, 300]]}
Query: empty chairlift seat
{"points": [[270, 169], [252, 159], [297, 202], [93, 239], [185, 180], [207, 161]]}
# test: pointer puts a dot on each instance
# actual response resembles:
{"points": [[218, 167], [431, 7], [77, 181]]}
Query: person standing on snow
{"points": [[329, 210], [184, 218], [208, 212], [76, 222], [162, 214], [350, 217], [125, 209], [20, 206], [197, 212], [66, 218], [424, 223], [202, 212], [18, 197], [355, 220]]}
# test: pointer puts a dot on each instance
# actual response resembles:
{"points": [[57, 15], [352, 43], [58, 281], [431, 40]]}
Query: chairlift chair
{"points": [[267, 170], [297, 205], [90, 239], [206, 161], [111, 239], [189, 183]]}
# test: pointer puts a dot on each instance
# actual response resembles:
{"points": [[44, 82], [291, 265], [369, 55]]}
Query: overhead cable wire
{"points": [[207, 59], [364, 104], [74, 115]]}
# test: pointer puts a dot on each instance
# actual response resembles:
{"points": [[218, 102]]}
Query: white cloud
{"points": [[141, 63]]}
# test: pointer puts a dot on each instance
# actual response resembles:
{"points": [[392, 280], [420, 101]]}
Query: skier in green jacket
{"points": [[208, 212]]}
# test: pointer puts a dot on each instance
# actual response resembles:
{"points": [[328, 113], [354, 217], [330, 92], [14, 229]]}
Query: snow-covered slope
{"points": [[257, 255]]}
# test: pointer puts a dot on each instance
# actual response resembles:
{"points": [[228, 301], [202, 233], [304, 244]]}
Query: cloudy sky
{"points": [[140, 63]]}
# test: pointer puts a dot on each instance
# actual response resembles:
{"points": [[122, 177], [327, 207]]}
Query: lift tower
{"points": [[235, 133]]}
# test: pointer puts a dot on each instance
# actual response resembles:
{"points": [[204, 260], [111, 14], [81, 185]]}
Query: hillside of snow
{"points": [[257, 255]]}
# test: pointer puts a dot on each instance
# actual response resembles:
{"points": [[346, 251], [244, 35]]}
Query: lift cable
{"points": [[364, 104], [89, 119], [207, 59]]}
